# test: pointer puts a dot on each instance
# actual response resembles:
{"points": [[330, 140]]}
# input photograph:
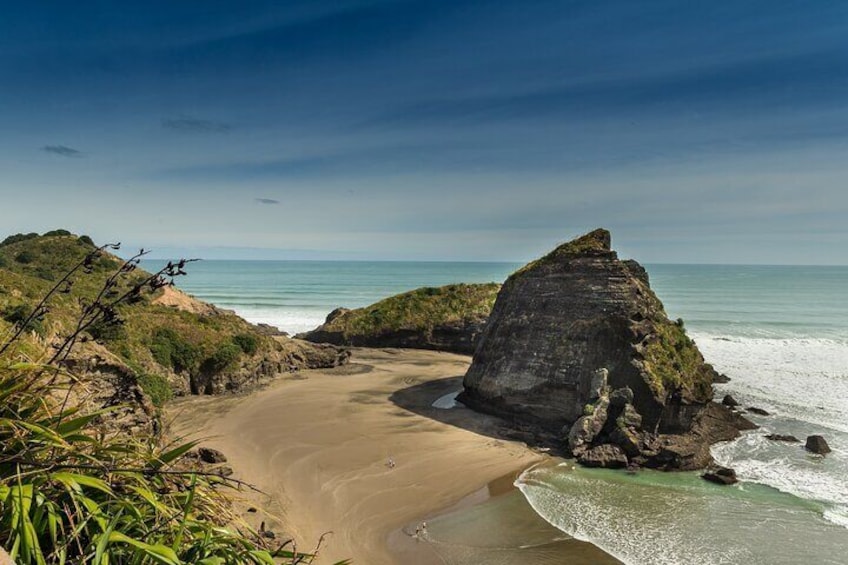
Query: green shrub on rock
{"points": [[247, 343], [224, 357], [156, 387]]}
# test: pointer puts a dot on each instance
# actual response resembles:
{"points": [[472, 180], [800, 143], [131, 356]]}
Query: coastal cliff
{"points": [[448, 318], [578, 348]]}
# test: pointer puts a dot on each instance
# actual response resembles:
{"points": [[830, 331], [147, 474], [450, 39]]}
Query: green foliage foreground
{"points": [[70, 492], [70, 495]]}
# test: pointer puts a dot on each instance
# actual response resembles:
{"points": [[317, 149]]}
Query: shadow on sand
{"points": [[419, 399]]}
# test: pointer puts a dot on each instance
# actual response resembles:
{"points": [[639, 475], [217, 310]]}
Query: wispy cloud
{"points": [[63, 150], [269, 201], [195, 125]]}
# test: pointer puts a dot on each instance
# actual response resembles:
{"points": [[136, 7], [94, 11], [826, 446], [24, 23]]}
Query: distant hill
{"points": [[448, 318]]}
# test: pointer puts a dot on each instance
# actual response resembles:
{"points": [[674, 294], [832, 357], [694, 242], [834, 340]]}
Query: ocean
{"points": [[779, 332]]}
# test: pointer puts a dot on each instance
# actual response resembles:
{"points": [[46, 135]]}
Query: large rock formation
{"points": [[579, 346], [448, 318]]}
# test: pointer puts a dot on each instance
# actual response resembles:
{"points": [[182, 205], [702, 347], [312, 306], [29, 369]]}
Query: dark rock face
{"points": [[817, 444], [758, 411], [578, 345], [721, 378], [606, 456], [576, 310], [720, 475], [460, 337]]}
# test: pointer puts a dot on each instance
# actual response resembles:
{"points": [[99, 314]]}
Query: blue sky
{"points": [[456, 130]]}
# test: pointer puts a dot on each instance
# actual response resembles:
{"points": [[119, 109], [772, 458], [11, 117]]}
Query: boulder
{"points": [[629, 418], [269, 330], [781, 437], [606, 456], [586, 428], [209, 455], [758, 411], [817, 444], [721, 378], [598, 385], [628, 440], [729, 401], [720, 475], [224, 471], [621, 396]]}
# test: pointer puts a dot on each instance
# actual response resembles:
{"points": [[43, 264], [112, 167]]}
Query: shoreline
{"points": [[318, 442]]}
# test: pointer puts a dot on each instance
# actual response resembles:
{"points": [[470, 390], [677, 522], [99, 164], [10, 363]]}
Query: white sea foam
{"points": [[657, 519], [802, 378], [633, 523], [291, 321]]}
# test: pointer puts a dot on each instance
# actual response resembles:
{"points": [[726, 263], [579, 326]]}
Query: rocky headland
{"points": [[448, 318], [579, 353], [167, 343]]}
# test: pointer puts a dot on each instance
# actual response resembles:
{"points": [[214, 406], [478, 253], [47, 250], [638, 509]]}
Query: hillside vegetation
{"points": [[169, 342], [447, 318]]}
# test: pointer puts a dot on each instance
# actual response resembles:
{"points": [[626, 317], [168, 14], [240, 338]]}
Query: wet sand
{"points": [[319, 443]]}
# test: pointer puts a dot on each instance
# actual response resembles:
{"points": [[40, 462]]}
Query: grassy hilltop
{"points": [[447, 318]]}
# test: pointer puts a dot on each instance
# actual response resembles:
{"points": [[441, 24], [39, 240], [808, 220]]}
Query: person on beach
{"points": [[390, 463]]}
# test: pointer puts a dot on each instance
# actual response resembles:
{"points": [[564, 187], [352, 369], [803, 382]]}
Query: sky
{"points": [[697, 132]]}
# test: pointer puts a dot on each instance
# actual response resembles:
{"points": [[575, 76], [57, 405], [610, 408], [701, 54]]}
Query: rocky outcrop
{"points": [[720, 475], [782, 437], [107, 382], [282, 355], [449, 318], [817, 444], [580, 347], [729, 401]]}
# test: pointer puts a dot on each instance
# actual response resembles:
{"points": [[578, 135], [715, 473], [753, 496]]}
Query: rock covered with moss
{"points": [[448, 318], [579, 346]]}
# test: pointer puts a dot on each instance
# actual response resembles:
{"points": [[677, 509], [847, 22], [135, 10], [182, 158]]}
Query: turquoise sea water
{"points": [[780, 333]]}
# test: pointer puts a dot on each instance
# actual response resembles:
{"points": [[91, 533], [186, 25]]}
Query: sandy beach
{"points": [[319, 444]]}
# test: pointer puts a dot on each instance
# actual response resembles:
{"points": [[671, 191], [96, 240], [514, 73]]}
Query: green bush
{"points": [[170, 349], [224, 358], [53, 233], [18, 237], [25, 257], [86, 240], [107, 331], [45, 273], [18, 313], [248, 343], [156, 387]]}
